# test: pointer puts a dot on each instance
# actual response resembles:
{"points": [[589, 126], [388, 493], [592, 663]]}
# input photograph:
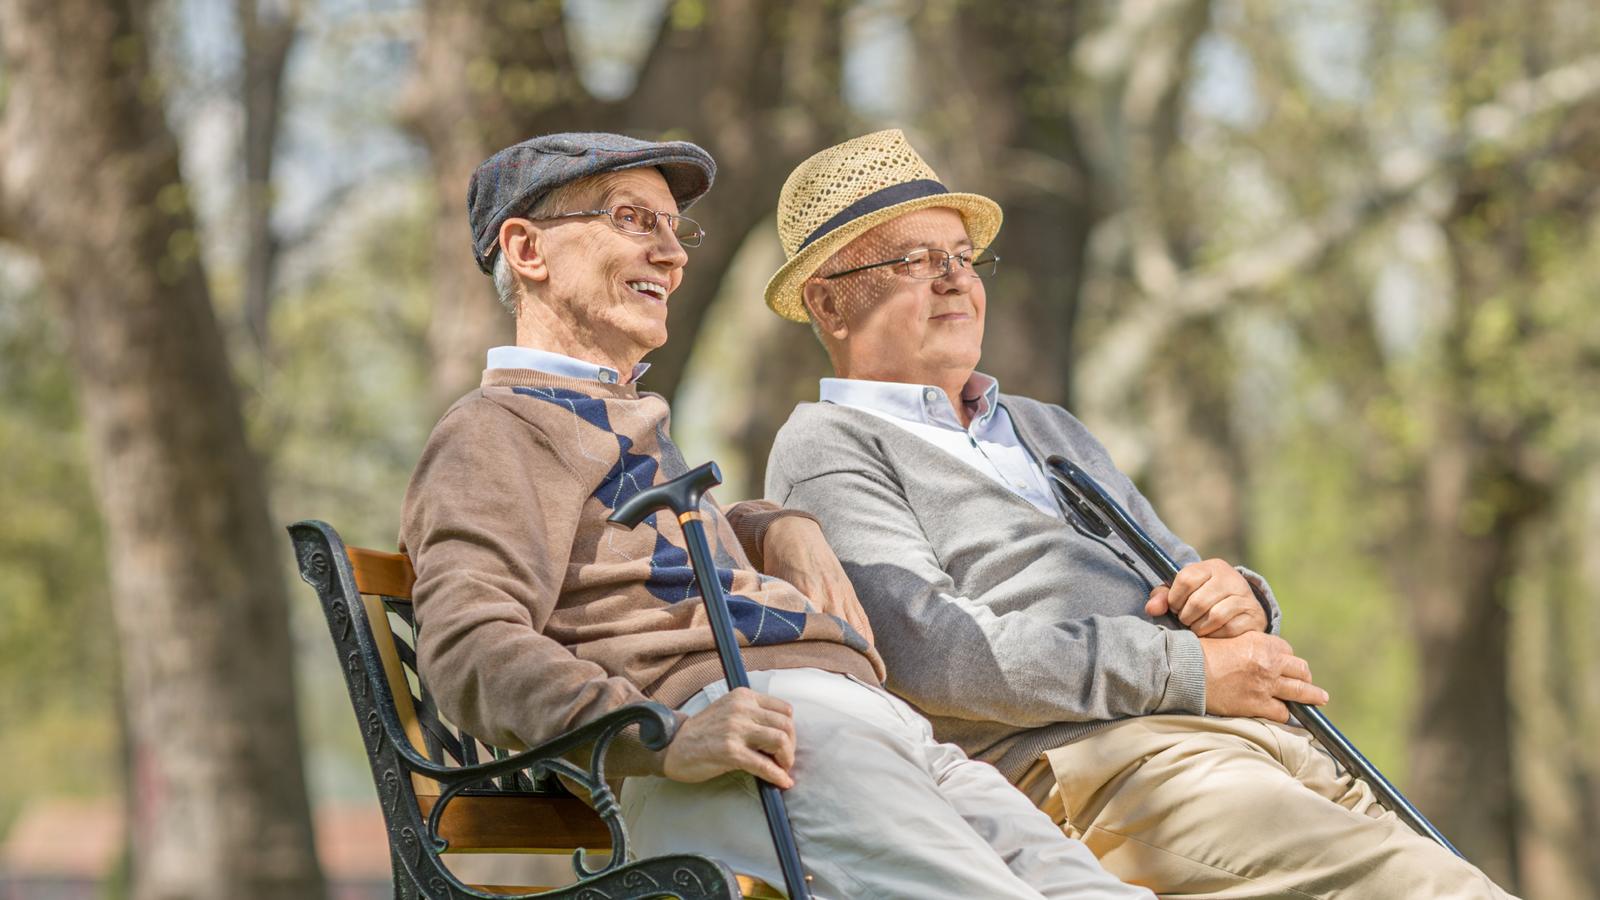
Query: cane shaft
{"points": [[1090, 500], [727, 641], [1314, 721], [705, 574], [1346, 753]]}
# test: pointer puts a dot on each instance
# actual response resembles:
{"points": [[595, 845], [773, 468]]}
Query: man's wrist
{"points": [[765, 526], [659, 757], [1264, 596]]}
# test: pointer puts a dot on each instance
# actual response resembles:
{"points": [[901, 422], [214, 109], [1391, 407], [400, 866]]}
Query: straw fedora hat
{"points": [[842, 192]]}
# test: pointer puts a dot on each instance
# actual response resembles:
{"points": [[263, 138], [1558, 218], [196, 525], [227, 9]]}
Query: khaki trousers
{"points": [[1208, 807], [879, 808]]}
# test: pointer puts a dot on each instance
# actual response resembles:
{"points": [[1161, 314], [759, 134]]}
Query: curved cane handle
{"points": [[681, 495]]}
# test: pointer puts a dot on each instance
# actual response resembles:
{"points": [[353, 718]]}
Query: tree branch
{"points": [[1108, 368], [6, 235], [7, 232], [267, 31], [1150, 106]]}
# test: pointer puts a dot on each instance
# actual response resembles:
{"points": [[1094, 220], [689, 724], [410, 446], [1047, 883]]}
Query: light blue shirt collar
{"points": [[557, 364], [917, 402]]}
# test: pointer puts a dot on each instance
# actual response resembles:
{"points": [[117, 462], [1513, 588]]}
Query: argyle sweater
{"points": [[536, 616]]}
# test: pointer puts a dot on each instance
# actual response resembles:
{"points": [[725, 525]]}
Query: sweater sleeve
{"points": [[954, 656], [750, 520], [489, 521]]}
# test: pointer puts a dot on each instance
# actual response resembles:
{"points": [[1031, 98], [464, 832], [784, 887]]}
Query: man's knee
{"points": [[1147, 770]]}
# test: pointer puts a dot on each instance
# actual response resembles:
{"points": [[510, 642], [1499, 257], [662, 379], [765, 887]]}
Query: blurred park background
{"points": [[1321, 273]]}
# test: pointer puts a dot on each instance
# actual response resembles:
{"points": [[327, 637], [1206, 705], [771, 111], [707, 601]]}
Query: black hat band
{"points": [[871, 203]]}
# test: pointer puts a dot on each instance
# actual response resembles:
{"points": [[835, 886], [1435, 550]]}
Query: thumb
{"points": [[1157, 604]]}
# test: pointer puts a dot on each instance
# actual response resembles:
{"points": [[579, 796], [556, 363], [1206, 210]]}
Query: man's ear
{"points": [[823, 306], [523, 246]]}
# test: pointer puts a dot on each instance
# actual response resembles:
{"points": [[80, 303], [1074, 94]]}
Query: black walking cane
{"points": [[1104, 515], [682, 496]]}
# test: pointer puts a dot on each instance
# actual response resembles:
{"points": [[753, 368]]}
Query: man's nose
{"points": [[957, 279], [667, 250]]}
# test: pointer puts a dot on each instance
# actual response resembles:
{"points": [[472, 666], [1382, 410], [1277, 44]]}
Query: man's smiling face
{"points": [[612, 287]]}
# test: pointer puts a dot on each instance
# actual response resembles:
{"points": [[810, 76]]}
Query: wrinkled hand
{"points": [[1212, 598], [1253, 674], [795, 550], [740, 731]]}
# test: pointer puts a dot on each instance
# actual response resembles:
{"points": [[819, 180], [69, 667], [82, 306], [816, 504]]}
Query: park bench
{"points": [[444, 792]]}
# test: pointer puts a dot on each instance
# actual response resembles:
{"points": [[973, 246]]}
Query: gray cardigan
{"points": [[1011, 630]]}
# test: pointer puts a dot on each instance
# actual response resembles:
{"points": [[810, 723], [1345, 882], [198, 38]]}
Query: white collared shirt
{"points": [[989, 444], [557, 364]]}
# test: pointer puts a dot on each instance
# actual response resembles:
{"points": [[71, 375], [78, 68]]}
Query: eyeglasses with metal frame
{"points": [[928, 263], [631, 219]]}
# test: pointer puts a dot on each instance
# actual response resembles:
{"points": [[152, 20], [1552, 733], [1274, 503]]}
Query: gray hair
{"points": [[816, 329], [505, 282], [816, 326]]}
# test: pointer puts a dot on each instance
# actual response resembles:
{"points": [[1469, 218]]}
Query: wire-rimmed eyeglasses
{"points": [[632, 219], [928, 263]]}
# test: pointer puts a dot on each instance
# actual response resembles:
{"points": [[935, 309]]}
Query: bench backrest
{"points": [[366, 596]]}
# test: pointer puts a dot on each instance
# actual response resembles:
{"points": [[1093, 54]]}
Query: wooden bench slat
{"points": [[376, 572], [750, 888], [399, 689], [511, 824]]}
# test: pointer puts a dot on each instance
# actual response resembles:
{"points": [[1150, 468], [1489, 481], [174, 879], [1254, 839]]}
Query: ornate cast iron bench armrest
{"points": [[656, 725]]}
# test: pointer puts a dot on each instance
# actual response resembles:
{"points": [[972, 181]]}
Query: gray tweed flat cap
{"points": [[510, 182]]}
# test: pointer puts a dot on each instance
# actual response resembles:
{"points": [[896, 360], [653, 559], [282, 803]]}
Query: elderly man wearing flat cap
{"points": [[536, 617], [1150, 722]]}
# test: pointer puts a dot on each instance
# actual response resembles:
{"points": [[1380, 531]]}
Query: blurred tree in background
{"points": [[213, 774], [1320, 274]]}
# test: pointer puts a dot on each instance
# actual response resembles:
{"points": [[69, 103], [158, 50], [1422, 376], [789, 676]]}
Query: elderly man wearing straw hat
{"points": [[535, 616], [1148, 722]]}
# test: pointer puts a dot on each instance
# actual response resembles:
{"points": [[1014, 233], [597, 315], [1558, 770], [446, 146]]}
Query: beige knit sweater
{"points": [[536, 616]]}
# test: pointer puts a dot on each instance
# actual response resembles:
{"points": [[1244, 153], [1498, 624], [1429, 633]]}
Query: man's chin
{"points": [[958, 357], [655, 340], [648, 326]]}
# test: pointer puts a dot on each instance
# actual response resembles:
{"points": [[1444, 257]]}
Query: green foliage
{"points": [[337, 414], [687, 15], [57, 640], [1314, 536], [341, 416]]}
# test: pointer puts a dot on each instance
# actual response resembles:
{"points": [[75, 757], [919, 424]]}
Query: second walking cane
{"points": [[682, 496], [1103, 515]]}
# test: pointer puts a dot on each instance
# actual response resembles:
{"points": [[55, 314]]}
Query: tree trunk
{"points": [[1456, 580], [1474, 495], [1198, 473], [93, 186], [1556, 694]]}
